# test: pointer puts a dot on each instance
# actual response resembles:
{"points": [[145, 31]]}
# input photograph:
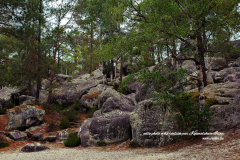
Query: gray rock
{"points": [[110, 100], [224, 117], [17, 135], [33, 147], [37, 136], [25, 99], [97, 113], [228, 75], [226, 110], [147, 118], [49, 138], [62, 135], [215, 63], [26, 117], [7, 95], [143, 93], [110, 127], [236, 63]]}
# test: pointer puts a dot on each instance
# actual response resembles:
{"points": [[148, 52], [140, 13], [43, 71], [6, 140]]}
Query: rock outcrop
{"points": [[110, 127], [226, 105], [90, 99], [9, 95], [22, 117], [147, 119], [110, 100], [33, 147], [68, 93]]}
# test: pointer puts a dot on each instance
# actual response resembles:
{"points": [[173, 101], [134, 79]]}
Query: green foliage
{"points": [[116, 86], [91, 111], [3, 111], [72, 115], [4, 144], [57, 107], [133, 144], [65, 123], [190, 117], [123, 88], [101, 143], [73, 140]]}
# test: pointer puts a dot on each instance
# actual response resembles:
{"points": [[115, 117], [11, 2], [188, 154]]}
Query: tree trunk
{"points": [[39, 52]]}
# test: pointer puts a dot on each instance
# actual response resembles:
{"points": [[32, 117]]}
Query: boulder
{"points": [[228, 75], [25, 99], [215, 63], [22, 117], [147, 118], [142, 92], [97, 113], [226, 106], [62, 135], [9, 95], [68, 93], [33, 147], [110, 100], [4, 138], [37, 136], [110, 127], [17, 135], [90, 99], [49, 138], [236, 63]]}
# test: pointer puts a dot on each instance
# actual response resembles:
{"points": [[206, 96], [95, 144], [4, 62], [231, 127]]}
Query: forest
{"points": [[102, 66]]}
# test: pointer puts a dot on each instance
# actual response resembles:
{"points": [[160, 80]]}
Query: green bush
{"points": [[101, 143], [3, 111], [133, 144], [65, 123], [115, 86], [91, 111], [73, 140], [72, 115], [56, 107], [190, 117], [4, 144]]}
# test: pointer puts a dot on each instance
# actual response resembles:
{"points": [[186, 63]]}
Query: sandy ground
{"points": [[228, 148]]}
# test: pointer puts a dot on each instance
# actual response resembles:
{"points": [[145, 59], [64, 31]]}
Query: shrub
{"points": [[71, 114], [4, 144], [56, 107], [3, 111], [91, 111], [65, 123], [133, 144], [116, 86], [101, 143], [73, 140]]}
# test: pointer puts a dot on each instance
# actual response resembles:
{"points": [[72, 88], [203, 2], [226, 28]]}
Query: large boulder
{"points": [[110, 100], [236, 63], [33, 147], [90, 99], [147, 119], [143, 92], [70, 92], [228, 75], [110, 127], [22, 117], [17, 135], [215, 63], [9, 95], [225, 98]]}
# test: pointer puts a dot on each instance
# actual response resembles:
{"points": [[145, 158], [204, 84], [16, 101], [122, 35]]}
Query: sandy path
{"points": [[207, 150], [228, 148]]}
